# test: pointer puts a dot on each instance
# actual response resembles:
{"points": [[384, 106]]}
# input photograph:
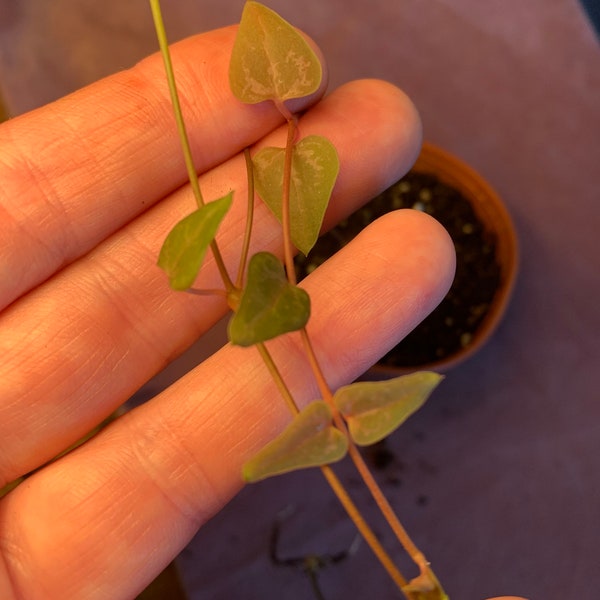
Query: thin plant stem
{"points": [[249, 219], [359, 462], [336, 485], [164, 49], [182, 131], [354, 513], [277, 378], [314, 584], [285, 204]]}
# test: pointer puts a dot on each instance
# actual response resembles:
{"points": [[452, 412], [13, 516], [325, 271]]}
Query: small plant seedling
{"points": [[272, 62]]}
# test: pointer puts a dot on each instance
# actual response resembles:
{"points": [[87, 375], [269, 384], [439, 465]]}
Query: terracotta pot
{"points": [[491, 211]]}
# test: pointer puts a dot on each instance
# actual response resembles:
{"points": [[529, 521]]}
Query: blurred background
{"points": [[498, 477]]}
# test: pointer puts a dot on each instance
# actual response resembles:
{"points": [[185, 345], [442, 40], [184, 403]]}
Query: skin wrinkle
{"points": [[10, 253], [33, 377], [64, 500], [8, 582], [67, 416], [169, 463], [111, 277], [145, 121], [56, 182], [83, 360]]}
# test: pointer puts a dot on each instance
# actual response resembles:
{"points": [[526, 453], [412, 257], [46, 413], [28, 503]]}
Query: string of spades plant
{"points": [[271, 61]]}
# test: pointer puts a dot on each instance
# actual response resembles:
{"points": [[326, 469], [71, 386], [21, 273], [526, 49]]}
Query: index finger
{"points": [[79, 169]]}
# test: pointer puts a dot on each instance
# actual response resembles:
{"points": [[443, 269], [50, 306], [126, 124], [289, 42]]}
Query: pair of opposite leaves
{"points": [[371, 409]]}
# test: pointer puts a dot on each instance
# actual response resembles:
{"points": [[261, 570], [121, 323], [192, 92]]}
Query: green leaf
{"points": [[270, 306], [183, 251], [270, 59], [315, 166], [373, 409], [310, 440]]}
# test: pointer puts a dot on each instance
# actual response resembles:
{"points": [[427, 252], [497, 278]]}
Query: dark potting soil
{"points": [[452, 325]]}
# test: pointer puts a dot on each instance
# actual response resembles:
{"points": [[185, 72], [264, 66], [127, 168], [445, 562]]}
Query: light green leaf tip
{"points": [[270, 59], [315, 167], [270, 306], [373, 409], [310, 440], [183, 250]]}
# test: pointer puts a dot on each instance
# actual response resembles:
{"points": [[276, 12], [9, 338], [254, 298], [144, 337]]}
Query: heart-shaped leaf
{"points": [[310, 440], [270, 306], [373, 409], [315, 167], [270, 59], [183, 250]]}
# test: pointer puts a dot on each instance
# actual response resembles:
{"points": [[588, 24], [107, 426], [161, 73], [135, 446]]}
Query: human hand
{"points": [[89, 187]]}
